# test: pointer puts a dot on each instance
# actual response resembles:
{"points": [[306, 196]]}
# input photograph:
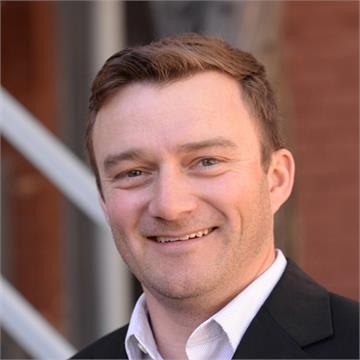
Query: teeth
{"points": [[198, 234]]}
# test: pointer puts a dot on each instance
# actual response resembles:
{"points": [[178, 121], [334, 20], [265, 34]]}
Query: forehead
{"points": [[192, 109]]}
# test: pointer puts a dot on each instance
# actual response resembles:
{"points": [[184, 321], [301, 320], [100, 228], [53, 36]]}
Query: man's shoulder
{"points": [[344, 306], [301, 319], [345, 316], [110, 346], [307, 296], [320, 321]]}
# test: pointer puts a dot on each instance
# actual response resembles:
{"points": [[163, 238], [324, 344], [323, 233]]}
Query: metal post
{"points": [[113, 278]]}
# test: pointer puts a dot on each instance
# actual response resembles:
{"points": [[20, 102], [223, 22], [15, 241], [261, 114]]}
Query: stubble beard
{"points": [[187, 292], [223, 279], [176, 287]]}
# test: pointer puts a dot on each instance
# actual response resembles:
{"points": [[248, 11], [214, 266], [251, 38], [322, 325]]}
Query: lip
{"points": [[185, 237]]}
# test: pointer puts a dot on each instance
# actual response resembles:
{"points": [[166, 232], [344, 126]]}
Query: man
{"points": [[183, 138]]}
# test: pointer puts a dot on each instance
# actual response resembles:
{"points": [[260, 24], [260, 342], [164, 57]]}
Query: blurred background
{"points": [[55, 251]]}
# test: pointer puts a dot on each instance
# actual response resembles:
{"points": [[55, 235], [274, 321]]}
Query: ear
{"points": [[103, 207], [280, 177]]}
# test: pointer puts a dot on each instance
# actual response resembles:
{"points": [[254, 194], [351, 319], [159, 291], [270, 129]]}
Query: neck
{"points": [[173, 320]]}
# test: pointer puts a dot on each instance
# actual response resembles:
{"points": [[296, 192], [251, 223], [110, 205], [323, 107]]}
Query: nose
{"points": [[172, 197]]}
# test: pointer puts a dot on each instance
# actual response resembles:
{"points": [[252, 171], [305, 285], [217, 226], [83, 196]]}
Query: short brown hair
{"points": [[173, 58]]}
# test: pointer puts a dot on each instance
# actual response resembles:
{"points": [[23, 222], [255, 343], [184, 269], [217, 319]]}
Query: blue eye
{"points": [[132, 178], [134, 173], [209, 162]]}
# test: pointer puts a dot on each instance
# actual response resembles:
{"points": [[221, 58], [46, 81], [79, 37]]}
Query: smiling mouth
{"points": [[194, 235]]}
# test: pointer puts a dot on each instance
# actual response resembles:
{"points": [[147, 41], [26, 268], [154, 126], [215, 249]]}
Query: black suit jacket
{"points": [[299, 320]]}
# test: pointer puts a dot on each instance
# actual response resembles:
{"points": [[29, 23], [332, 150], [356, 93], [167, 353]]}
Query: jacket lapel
{"points": [[296, 314], [265, 339]]}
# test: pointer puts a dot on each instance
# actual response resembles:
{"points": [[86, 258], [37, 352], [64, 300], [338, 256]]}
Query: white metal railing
{"points": [[72, 177], [30, 329], [63, 168], [23, 131]]}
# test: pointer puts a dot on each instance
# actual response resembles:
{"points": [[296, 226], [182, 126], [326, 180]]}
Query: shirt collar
{"points": [[139, 337], [237, 315], [234, 318]]}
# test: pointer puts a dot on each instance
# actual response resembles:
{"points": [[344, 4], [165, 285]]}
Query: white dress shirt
{"points": [[219, 336]]}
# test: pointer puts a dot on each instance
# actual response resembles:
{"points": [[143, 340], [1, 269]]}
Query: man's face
{"points": [[184, 190]]}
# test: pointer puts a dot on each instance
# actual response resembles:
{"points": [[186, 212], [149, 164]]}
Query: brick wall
{"points": [[321, 57]]}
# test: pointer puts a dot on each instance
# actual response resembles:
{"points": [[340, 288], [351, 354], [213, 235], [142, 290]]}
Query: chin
{"points": [[176, 289]]}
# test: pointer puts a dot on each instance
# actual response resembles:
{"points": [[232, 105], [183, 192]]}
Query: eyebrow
{"points": [[113, 159], [214, 142], [135, 153]]}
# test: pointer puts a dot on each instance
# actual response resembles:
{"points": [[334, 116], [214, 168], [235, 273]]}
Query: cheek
{"points": [[123, 214], [228, 192], [123, 210], [241, 198]]}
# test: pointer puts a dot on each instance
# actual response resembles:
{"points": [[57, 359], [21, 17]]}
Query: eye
{"points": [[125, 175], [134, 173], [209, 162], [208, 166], [132, 178]]}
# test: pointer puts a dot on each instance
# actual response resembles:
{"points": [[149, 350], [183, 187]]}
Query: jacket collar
{"points": [[296, 314]]}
